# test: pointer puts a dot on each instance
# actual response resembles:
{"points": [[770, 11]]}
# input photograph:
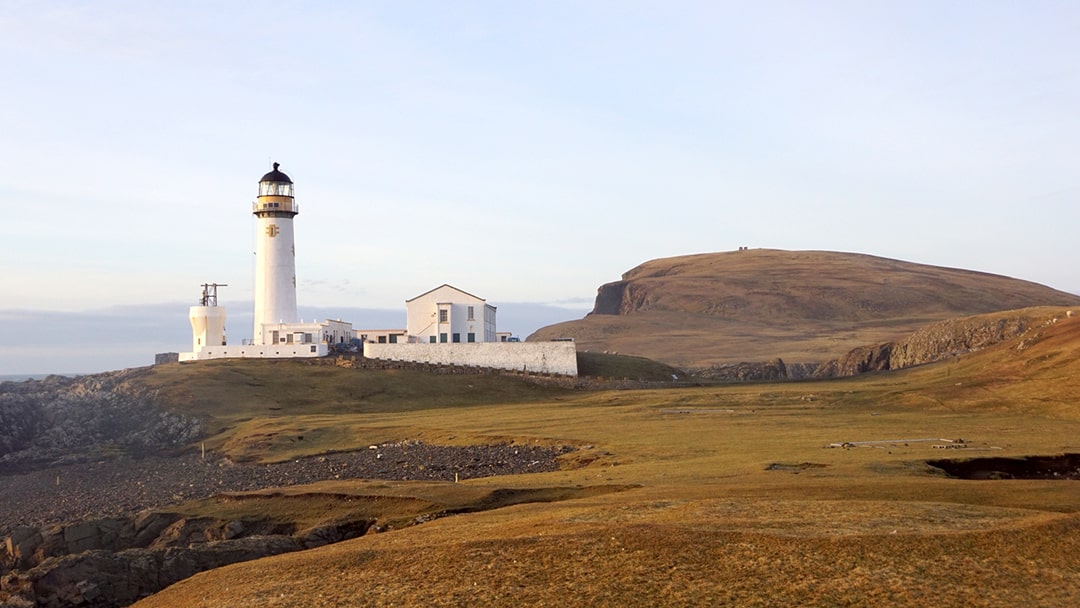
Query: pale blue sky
{"points": [[522, 151]]}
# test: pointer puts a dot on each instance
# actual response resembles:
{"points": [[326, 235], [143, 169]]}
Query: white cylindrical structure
{"points": [[275, 254], [207, 326]]}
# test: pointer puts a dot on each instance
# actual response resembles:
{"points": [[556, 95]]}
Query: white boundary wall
{"points": [[282, 351], [534, 357]]}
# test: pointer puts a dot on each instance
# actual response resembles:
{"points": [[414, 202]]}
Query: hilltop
{"points": [[696, 311]]}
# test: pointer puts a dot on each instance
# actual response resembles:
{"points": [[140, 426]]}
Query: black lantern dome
{"points": [[276, 176], [275, 183]]}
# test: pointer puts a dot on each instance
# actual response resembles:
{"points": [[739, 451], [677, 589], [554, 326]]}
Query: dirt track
{"points": [[117, 486]]}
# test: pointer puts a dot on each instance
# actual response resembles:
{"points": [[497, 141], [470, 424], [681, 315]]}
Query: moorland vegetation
{"points": [[813, 493], [804, 307], [677, 491]]}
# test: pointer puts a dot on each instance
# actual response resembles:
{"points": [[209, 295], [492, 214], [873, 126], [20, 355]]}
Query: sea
{"points": [[21, 377]]}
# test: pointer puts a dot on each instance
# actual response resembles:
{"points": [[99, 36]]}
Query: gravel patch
{"points": [[124, 486]]}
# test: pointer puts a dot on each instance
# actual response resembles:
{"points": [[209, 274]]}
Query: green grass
{"points": [[387, 504], [624, 367]]}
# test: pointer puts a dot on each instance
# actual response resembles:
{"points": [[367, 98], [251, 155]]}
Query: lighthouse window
{"points": [[275, 189]]}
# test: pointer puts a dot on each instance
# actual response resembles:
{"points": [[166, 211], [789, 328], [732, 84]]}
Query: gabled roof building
{"points": [[447, 314]]}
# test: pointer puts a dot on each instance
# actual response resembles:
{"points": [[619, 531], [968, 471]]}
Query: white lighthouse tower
{"points": [[278, 333], [275, 256]]}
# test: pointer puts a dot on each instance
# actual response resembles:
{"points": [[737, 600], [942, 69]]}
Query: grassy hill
{"points": [[801, 306], [739, 499]]}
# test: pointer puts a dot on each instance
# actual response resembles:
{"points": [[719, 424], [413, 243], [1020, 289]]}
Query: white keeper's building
{"points": [[447, 314]]}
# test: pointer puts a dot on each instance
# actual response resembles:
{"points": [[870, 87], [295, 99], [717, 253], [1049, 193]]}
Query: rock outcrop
{"points": [[939, 341], [934, 342], [767, 371], [60, 420], [114, 562]]}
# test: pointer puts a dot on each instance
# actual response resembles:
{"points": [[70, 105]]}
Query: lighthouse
{"points": [[278, 333], [275, 256]]}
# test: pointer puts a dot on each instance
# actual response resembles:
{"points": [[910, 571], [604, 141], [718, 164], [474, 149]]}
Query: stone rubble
{"points": [[121, 486]]}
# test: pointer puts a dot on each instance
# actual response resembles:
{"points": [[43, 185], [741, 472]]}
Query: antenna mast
{"points": [[209, 293]]}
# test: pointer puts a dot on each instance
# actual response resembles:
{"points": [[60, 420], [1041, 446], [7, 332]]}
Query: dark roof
{"points": [[276, 176], [461, 291]]}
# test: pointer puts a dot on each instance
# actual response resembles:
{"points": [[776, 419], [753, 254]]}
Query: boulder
{"points": [[107, 579]]}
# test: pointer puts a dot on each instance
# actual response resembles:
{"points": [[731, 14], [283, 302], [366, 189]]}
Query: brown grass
{"points": [[802, 306], [711, 524]]}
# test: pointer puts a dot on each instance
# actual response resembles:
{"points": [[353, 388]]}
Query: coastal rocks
{"points": [[122, 486], [107, 579], [766, 371], [102, 557], [114, 562], [857, 361], [934, 342], [954, 336], [61, 420], [27, 547]]}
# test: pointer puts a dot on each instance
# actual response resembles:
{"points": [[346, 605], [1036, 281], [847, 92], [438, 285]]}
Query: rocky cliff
{"points": [[113, 562], [60, 420], [942, 340]]}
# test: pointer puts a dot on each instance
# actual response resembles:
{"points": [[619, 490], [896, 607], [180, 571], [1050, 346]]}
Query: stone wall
{"points": [[165, 358], [533, 357]]}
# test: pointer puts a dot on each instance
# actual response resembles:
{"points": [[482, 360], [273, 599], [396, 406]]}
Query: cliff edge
{"points": [[805, 307]]}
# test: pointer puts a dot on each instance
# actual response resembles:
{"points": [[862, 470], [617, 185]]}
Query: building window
{"points": [[471, 317], [314, 348], [431, 339], [393, 338], [471, 337], [382, 339], [442, 338], [457, 338], [443, 315]]}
